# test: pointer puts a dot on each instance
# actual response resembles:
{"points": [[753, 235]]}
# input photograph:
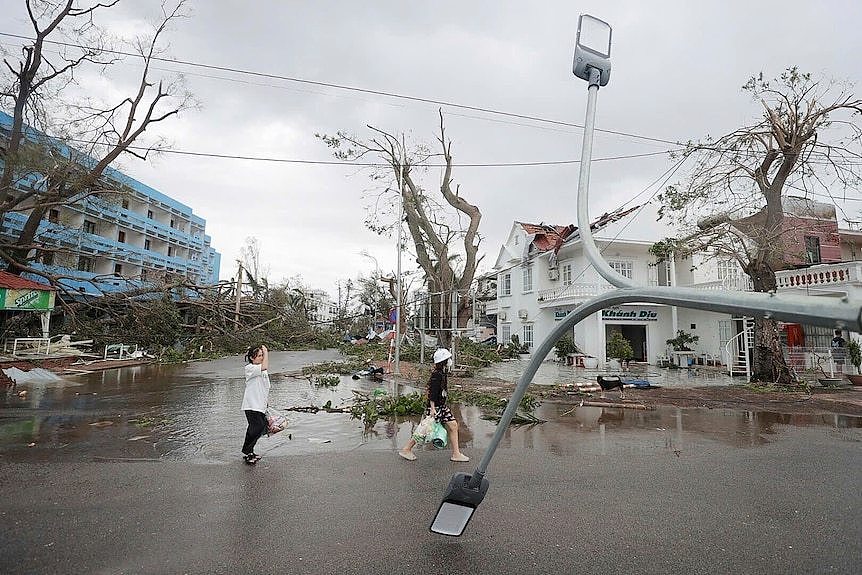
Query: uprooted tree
{"points": [[733, 201], [445, 249]]}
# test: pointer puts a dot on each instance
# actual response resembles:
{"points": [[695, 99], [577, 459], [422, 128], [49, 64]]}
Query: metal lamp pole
{"points": [[465, 492], [398, 301]]}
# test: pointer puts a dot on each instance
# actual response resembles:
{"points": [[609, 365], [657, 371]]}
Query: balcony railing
{"points": [[824, 275], [573, 291]]}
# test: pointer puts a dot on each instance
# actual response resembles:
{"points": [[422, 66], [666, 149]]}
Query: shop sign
{"points": [[560, 314], [26, 299], [629, 314]]}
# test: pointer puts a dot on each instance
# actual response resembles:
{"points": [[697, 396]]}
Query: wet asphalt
{"points": [[160, 489]]}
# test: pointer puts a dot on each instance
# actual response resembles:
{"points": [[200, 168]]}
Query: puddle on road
{"points": [[192, 413]]}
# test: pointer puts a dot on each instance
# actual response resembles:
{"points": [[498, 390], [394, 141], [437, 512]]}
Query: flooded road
{"points": [[192, 413]]}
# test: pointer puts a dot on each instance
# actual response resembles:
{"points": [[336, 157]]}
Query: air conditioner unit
{"points": [[501, 316], [522, 313], [553, 274]]}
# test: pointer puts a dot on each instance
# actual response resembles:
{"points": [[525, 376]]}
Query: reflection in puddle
{"points": [[192, 413]]}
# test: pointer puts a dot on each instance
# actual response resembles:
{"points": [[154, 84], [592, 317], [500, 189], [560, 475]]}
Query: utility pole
{"points": [[238, 292]]}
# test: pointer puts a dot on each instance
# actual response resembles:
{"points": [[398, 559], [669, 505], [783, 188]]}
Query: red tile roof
{"points": [[11, 281], [549, 237]]}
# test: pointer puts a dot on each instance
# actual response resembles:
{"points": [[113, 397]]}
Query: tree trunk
{"points": [[769, 362]]}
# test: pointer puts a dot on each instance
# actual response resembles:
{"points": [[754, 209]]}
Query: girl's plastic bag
{"points": [[439, 438], [423, 430], [275, 421]]}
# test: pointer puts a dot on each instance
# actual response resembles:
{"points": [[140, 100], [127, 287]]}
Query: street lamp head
{"points": [[593, 49], [462, 497]]}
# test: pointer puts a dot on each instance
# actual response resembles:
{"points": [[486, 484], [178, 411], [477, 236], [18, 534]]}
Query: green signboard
{"points": [[26, 299]]}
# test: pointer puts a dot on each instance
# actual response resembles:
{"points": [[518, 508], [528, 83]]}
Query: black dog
{"points": [[607, 382]]}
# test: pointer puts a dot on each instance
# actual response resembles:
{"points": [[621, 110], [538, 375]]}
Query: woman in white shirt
{"points": [[255, 399]]}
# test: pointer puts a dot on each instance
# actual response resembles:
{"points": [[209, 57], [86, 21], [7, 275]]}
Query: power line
{"points": [[352, 89], [680, 146], [374, 164]]}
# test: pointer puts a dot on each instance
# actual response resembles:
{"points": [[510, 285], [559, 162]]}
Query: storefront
{"points": [[647, 327]]}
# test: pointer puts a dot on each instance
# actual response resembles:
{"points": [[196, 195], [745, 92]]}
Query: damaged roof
{"points": [[11, 281], [547, 237]]}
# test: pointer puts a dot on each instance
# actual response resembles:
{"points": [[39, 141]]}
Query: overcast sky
{"points": [[677, 71]]}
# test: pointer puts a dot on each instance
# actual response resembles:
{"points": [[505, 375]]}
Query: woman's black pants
{"points": [[256, 427]]}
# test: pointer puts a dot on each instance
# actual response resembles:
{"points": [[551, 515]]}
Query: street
{"points": [[597, 491]]}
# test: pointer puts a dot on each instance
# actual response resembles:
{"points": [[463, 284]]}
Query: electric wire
{"points": [[346, 87]]}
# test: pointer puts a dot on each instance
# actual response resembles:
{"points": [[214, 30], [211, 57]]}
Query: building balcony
{"points": [[821, 276], [739, 283], [570, 293]]}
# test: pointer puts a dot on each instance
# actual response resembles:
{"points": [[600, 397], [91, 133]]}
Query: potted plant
{"points": [[683, 341], [619, 349], [566, 348], [828, 379], [854, 351]]}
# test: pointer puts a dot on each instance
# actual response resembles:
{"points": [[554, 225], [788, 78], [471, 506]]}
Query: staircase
{"points": [[738, 350]]}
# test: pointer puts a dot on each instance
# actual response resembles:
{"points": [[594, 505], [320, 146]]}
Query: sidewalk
{"points": [[558, 373]]}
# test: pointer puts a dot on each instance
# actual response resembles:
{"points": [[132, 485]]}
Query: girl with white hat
{"points": [[437, 392]]}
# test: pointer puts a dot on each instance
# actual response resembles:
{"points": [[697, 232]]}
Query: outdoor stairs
{"points": [[739, 350]]}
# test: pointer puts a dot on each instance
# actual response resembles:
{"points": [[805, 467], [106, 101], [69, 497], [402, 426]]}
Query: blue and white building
{"points": [[121, 240]]}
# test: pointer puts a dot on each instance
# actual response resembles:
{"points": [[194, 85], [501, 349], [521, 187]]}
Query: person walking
{"points": [[255, 399], [438, 390], [838, 352]]}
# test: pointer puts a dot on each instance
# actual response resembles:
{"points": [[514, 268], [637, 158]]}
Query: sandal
{"points": [[251, 458], [460, 458]]}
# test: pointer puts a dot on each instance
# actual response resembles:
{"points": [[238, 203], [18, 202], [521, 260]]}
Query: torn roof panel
{"points": [[547, 237]]}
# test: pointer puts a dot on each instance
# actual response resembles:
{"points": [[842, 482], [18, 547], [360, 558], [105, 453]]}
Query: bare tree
{"points": [[435, 227], [807, 142], [256, 273], [42, 172]]}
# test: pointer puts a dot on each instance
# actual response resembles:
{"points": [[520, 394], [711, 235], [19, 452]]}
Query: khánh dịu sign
{"points": [[627, 314], [26, 299]]}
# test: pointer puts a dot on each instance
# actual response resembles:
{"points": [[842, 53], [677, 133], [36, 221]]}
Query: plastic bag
{"points": [[423, 430], [439, 437], [275, 421]]}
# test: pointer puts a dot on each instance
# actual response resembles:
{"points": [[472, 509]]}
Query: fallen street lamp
{"points": [[592, 63], [463, 495], [466, 492]]}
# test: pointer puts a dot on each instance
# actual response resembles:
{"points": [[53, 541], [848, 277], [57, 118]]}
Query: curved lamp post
{"points": [[466, 491]]}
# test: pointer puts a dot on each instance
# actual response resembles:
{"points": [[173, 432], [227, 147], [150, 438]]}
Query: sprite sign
{"points": [[26, 299]]}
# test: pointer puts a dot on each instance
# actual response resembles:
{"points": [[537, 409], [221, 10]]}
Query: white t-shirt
{"points": [[256, 394]]}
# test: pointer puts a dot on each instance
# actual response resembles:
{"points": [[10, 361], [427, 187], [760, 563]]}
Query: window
{"points": [[517, 239], [146, 244], [728, 271], [121, 237], [566, 272], [528, 336], [622, 268], [505, 333], [170, 250], [85, 264], [149, 214], [89, 227], [125, 204], [812, 249], [663, 269], [173, 224], [118, 269], [528, 279], [54, 216], [44, 257], [506, 285]]}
